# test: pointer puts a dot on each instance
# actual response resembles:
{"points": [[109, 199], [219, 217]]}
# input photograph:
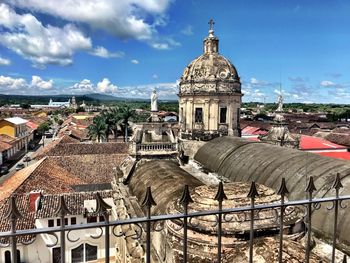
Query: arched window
{"points": [[84, 253], [8, 256]]}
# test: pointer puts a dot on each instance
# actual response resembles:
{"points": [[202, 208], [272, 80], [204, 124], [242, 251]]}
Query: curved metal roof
{"points": [[166, 179], [238, 159]]}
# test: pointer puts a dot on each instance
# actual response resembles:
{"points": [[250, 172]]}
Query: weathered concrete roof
{"points": [[165, 177], [238, 159]]}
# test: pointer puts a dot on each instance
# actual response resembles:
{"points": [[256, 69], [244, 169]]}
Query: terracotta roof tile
{"points": [[9, 186], [50, 177], [74, 201], [7, 138], [4, 146], [63, 149]]}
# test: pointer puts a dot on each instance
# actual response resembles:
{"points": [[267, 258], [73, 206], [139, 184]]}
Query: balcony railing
{"points": [[148, 147], [146, 225]]}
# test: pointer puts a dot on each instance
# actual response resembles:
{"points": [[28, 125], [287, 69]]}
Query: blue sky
{"points": [[128, 47]]}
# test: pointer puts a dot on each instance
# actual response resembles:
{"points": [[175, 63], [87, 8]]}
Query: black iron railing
{"points": [[146, 225]]}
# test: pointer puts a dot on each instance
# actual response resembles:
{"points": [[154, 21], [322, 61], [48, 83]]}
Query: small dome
{"points": [[210, 72], [210, 67]]}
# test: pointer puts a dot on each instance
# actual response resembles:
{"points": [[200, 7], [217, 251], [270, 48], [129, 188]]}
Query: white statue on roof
{"points": [[280, 103], [154, 102]]}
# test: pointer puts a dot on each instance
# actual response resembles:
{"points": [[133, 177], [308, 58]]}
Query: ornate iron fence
{"points": [[145, 223]]}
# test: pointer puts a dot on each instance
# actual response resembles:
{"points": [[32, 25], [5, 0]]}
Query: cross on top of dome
{"points": [[211, 27], [211, 24]]}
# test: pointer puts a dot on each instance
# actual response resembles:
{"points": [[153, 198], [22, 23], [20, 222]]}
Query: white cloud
{"points": [[188, 30], [327, 83], [83, 86], [164, 90], [10, 84], [126, 19], [155, 76], [162, 46], [105, 86], [134, 61], [257, 82], [298, 79], [104, 53], [41, 44], [41, 84], [4, 61]]}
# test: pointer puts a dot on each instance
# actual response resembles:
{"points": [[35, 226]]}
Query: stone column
{"points": [[184, 115], [190, 114], [206, 114], [216, 114], [230, 117]]}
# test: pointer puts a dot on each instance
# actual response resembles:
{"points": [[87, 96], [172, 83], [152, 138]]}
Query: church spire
{"points": [[211, 43]]}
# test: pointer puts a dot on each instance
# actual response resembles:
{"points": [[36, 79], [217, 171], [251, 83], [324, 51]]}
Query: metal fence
{"points": [[146, 224]]}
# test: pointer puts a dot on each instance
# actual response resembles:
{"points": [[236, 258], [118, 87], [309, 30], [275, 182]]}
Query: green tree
{"points": [[44, 127], [25, 106], [114, 120], [126, 113], [80, 109], [97, 130]]}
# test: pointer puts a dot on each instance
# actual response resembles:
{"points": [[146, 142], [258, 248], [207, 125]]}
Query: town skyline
{"points": [[141, 45]]}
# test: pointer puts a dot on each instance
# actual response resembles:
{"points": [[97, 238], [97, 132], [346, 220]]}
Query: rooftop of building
{"points": [[16, 120], [58, 148]]}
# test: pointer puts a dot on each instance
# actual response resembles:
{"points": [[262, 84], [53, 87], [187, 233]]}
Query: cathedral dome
{"points": [[210, 72], [210, 67]]}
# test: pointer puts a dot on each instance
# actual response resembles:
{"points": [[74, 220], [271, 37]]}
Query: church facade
{"points": [[209, 95]]}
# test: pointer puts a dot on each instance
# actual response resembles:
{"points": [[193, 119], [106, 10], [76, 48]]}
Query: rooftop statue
{"points": [[154, 101], [280, 103]]}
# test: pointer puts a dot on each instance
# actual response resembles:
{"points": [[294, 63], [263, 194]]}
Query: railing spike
{"points": [[283, 190], [337, 182], [310, 186], [12, 211], [220, 195], [253, 192], [345, 259], [101, 205], [148, 201], [186, 196], [62, 208]]}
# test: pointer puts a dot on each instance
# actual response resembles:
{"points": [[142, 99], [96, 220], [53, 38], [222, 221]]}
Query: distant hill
{"points": [[92, 98], [44, 99]]}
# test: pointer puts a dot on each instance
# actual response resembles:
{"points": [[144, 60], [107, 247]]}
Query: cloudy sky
{"points": [[128, 47]]}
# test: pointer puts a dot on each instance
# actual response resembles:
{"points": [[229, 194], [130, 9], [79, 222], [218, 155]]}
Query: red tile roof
{"points": [[62, 149], [4, 146], [10, 185], [7, 138], [32, 125], [315, 143], [74, 201], [338, 155], [251, 130]]}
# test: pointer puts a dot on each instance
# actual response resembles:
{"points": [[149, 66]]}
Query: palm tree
{"points": [[97, 130], [108, 119], [114, 118], [125, 114]]}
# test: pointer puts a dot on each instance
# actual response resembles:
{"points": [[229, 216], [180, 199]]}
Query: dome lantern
{"points": [[211, 43]]}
